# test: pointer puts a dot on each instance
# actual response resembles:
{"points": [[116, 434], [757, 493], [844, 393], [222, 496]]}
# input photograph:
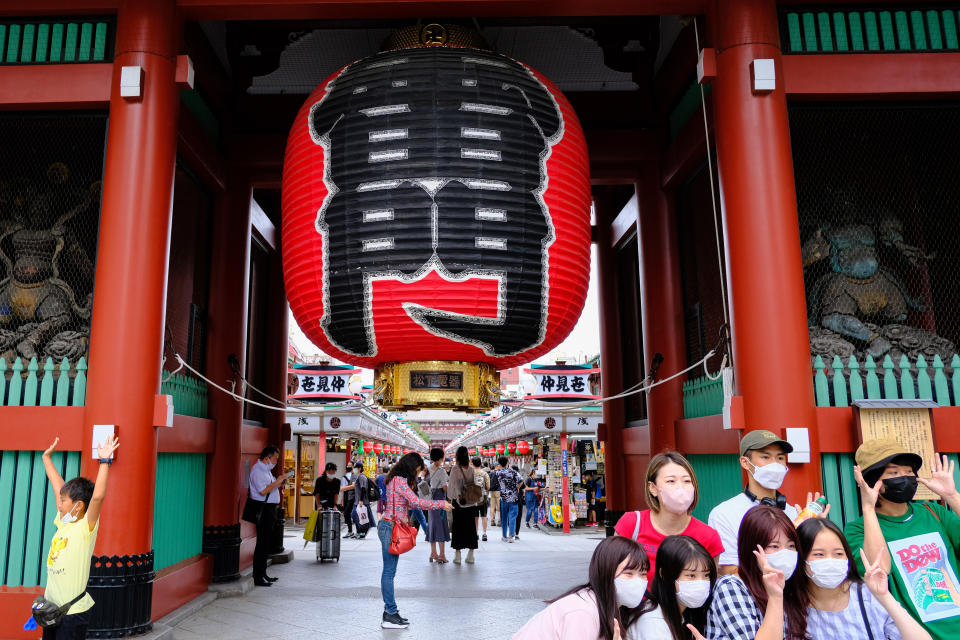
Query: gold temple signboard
{"points": [[909, 422], [462, 386]]}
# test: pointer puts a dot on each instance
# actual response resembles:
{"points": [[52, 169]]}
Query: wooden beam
{"points": [[55, 86], [199, 152], [625, 222], [687, 151], [45, 424], [678, 68], [871, 76], [339, 9], [188, 435], [262, 224]]}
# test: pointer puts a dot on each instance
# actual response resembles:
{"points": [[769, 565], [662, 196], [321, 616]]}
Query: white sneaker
{"points": [[510, 540]]}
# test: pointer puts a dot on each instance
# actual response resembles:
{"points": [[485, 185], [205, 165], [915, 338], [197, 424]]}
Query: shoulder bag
{"points": [[472, 493], [403, 538], [47, 615], [252, 509], [863, 611]]}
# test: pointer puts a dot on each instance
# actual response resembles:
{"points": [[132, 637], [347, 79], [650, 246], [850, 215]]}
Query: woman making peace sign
{"points": [[762, 601]]}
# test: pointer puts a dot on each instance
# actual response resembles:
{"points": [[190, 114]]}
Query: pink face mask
{"points": [[676, 499]]}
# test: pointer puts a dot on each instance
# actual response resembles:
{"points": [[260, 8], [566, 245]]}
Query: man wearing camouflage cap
{"points": [[917, 542], [763, 455]]}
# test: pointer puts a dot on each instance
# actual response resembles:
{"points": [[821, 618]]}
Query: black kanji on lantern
{"points": [[435, 159]]}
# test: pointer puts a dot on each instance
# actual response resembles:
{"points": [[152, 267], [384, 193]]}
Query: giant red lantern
{"points": [[436, 207], [523, 447]]}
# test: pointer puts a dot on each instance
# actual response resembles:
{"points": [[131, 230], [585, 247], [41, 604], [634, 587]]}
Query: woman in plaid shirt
{"points": [[763, 600], [400, 498]]}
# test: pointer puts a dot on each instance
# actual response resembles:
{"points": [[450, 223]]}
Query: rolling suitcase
{"points": [[328, 541]]}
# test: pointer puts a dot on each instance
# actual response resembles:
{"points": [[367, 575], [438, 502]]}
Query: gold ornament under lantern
{"points": [[436, 384]]}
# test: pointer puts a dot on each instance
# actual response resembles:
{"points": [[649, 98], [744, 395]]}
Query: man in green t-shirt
{"points": [[917, 542]]}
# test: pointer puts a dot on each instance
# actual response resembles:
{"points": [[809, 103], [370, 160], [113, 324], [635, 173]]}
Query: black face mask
{"points": [[900, 489]]}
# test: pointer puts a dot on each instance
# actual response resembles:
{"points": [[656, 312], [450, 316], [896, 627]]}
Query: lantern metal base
{"points": [[437, 384]]}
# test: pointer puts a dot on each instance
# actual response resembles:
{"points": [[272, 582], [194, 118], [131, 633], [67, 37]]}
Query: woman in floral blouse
{"points": [[400, 498]]}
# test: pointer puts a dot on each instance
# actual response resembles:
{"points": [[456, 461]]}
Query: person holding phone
{"points": [[266, 489]]}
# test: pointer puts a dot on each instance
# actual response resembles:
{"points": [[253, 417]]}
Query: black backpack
{"points": [[373, 491], [494, 481]]}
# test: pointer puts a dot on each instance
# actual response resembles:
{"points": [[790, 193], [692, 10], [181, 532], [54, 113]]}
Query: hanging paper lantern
{"points": [[472, 451], [523, 447], [511, 447], [500, 449], [367, 447], [436, 207], [406, 451], [377, 448]]}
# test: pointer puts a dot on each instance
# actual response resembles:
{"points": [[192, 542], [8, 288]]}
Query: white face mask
{"points": [[332, 476], [676, 499], [693, 593], [785, 560], [68, 517], [630, 591], [770, 476], [828, 573]]}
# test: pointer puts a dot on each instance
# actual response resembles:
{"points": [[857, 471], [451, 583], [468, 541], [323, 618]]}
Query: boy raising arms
{"points": [[68, 563]]}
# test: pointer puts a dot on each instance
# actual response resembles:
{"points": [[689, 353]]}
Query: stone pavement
{"points": [[489, 600]]}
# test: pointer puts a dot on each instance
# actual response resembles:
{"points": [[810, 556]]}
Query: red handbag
{"points": [[402, 539]]}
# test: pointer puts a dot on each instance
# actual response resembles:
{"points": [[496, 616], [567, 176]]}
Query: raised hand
{"points": [[941, 482], [106, 449], [696, 634], [874, 576], [868, 494], [53, 446], [773, 579]]}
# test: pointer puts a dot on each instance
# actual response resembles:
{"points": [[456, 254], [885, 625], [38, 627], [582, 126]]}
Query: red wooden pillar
{"points": [[771, 350], [277, 343], [227, 335], [661, 305], [611, 376], [129, 301]]}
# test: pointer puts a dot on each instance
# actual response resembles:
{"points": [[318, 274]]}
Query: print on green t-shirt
{"points": [[923, 547]]}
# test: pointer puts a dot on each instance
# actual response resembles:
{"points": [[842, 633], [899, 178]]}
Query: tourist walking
{"points": [[381, 481], [438, 530], [347, 496], [481, 473], [465, 494], [509, 482], [605, 607], [361, 500], [520, 503], [400, 481], [530, 491], [494, 497]]}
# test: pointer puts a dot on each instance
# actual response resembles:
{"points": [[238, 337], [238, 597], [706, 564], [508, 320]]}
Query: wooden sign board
{"points": [[909, 422]]}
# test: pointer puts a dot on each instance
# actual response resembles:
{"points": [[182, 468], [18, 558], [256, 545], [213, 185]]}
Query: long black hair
{"points": [[407, 468], [603, 569], [674, 555], [808, 532], [463, 457]]}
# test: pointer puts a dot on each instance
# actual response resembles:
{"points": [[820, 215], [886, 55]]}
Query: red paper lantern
{"points": [[406, 451], [523, 447], [500, 449], [377, 448], [367, 447], [472, 451], [364, 172], [511, 447]]}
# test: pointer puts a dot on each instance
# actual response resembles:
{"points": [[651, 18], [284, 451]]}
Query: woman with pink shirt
{"points": [[400, 498], [605, 607]]}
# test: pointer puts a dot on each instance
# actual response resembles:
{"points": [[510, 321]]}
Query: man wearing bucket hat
{"points": [[763, 455], [916, 542]]}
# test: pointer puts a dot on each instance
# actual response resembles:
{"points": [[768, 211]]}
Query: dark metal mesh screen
{"points": [[50, 172], [878, 196]]}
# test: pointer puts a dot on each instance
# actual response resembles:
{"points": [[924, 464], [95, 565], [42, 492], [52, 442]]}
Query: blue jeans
{"points": [[531, 499], [508, 517], [421, 519], [384, 531]]}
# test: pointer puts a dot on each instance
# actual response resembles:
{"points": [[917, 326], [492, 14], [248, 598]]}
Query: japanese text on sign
{"points": [[436, 380], [321, 384], [909, 427], [563, 384]]}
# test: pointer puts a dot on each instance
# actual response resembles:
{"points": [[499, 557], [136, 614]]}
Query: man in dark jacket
{"points": [[361, 500]]}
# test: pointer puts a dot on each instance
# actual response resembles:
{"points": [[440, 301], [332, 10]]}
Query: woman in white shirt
{"points": [[840, 606], [679, 592], [599, 609]]}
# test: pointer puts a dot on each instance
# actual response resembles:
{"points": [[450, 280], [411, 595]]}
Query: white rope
{"points": [[259, 404], [723, 365], [713, 193]]}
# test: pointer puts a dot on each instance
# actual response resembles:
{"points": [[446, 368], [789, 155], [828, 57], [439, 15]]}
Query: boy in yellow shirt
{"points": [[68, 562]]}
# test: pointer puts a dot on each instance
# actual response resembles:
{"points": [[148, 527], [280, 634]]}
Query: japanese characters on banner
{"points": [[306, 384], [585, 422], [560, 383]]}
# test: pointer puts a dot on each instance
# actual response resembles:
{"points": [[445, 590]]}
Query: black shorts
{"points": [[484, 506]]}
